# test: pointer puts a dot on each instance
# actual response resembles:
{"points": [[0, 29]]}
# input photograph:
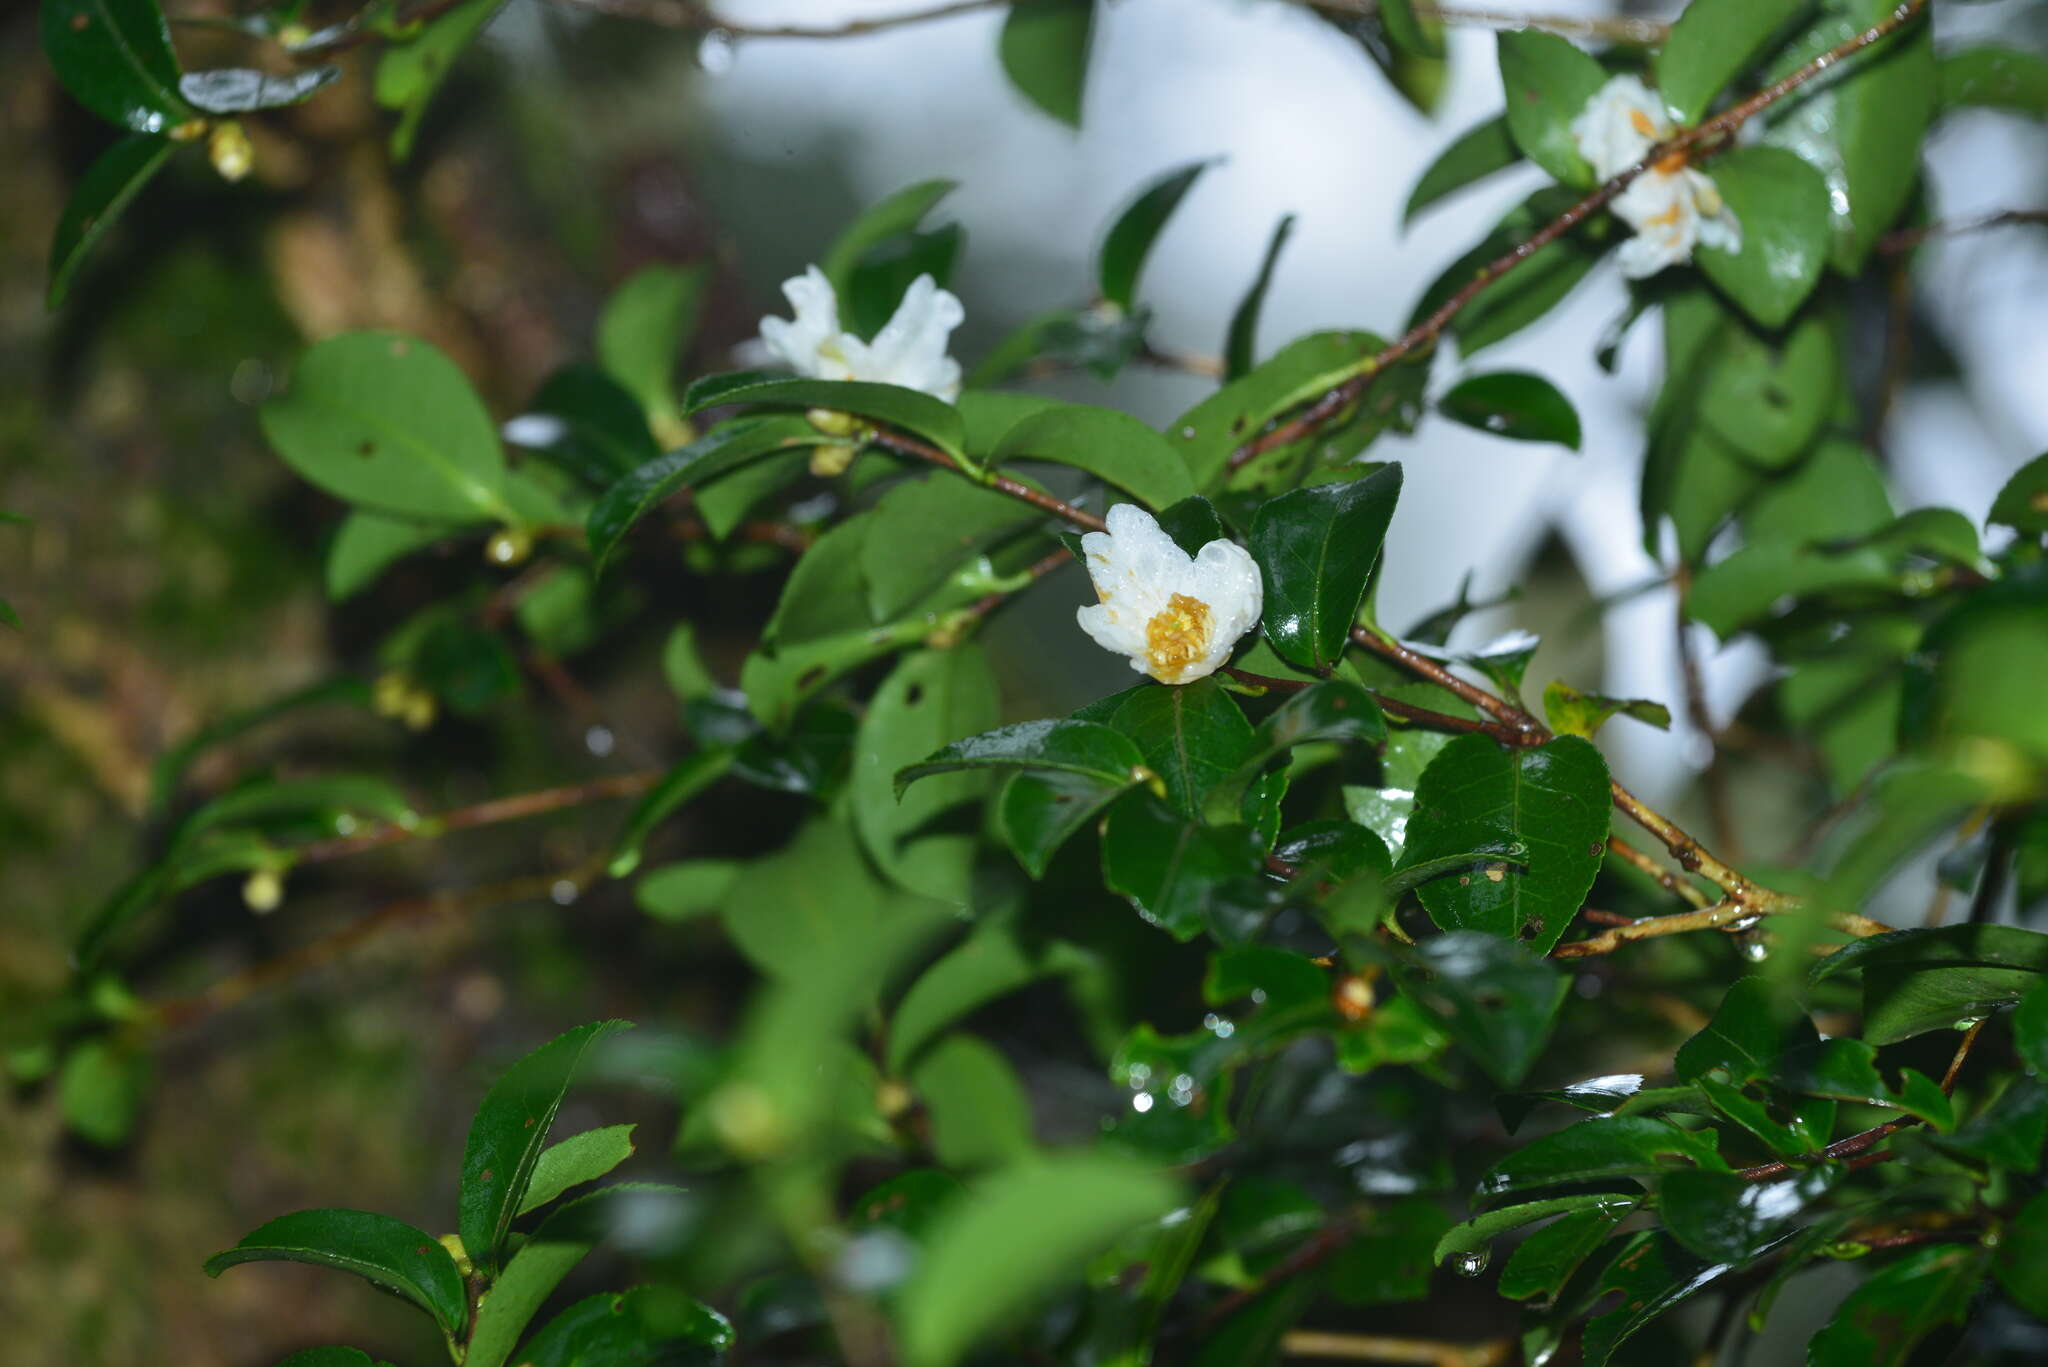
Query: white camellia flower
{"points": [[910, 350], [1672, 207], [1176, 615]]}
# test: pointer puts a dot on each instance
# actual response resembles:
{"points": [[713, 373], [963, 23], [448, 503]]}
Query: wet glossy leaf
{"points": [[1548, 83], [1886, 1318], [1015, 1236], [103, 192], [1994, 77], [1332, 710], [508, 1134], [1653, 1274], [573, 1161], [644, 329], [1850, 129], [630, 1328], [1572, 713], [1472, 156], [1725, 1219], [723, 448], [1241, 341], [1170, 868], [1544, 1262], [2011, 1133], [1476, 1235], [1316, 549], [924, 530], [1756, 1025], [1599, 1150], [115, 58], [1846, 1070], [386, 1252], [931, 698], [1112, 446], [1513, 404], [1194, 736], [586, 424], [1130, 238], [1476, 796], [1496, 998], [1044, 51], [980, 1116], [1713, 42], [912, 410], [1087, 751], [388, 422], [1915, 981], [1303, 370], [241, 91], [409, 71], [1782, 204], [682, 783]]}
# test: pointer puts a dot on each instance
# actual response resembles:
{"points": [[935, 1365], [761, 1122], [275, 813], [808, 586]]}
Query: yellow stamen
{"points": [[1177, 637]]}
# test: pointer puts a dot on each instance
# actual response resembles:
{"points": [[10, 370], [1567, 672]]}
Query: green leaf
{"points": [[1044, 51], [101, 1090], [1572, 713], [2030, 1029], [721, 449], [1915, 981], [388, 422], [1713, 42], [335, 1356], [1994, 77], [103, 192], [682, 783], [1768, 397], [2011, 1133], [1241, 342], [930, 698], [1496, 998], [1885, 1318], [893, 216], [1013, 1238], [386, 1252], [1782, 204], [980, 1116], [690, 887], [573, 1161], [1513, 404], [1536, 287], [508, 1134], [1331, 710], [1754, 1028], [1476, 1235], [115, 58], [2021, 1262], [1473, 155], [171, 765], [1476, 796], [586, 424], [1303, 370], [242, 91], [993, 961], [1852, 127], [368, 543], [643, 331], [1387, 1260], [1544, 1262], [918, 413], [1653, 1274], [1549, 82], [1130, 238], [638, 1328], [924, 530], [1194, 736], [411, 70], [1601, 1149], [1846, 1070], [1725, 1219], [1316, 549], [1172, 869], [1112, 446], [1734, 593], [1985, 656], [1087, 751]]}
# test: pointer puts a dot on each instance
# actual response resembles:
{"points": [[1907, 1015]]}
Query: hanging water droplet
{"points": [[1472, 1262], [599, 741], [1969, 1022], [1753, 947], [1141, 1102], [714, 53], [1743, 923]]}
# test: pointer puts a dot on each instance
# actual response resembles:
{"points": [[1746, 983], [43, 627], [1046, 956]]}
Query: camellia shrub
{"points": [[1367, 1015]]}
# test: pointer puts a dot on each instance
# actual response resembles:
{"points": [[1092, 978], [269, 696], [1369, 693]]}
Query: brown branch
{"points": [[906, 445], [1324, 1245], [1857, 1144], [1905, 239], [1663, 877], [1700, 137], [1316, 1343], [514, 808]]}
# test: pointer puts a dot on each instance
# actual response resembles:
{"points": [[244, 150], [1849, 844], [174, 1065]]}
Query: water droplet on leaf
{"points": [[1472, 1262]]}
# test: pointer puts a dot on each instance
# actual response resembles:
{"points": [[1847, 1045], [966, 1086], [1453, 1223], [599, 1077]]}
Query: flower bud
{"points": [[232, 153], [263, 892], [832, 422], [510, 546], [831, 460]]}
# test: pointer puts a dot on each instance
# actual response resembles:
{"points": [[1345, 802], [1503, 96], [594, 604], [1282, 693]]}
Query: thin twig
{"points": [[514, 808], [904, 444], [1316, 1343], [1663, 877], [1324, 1244], [1905, 239], [1714, 778]]}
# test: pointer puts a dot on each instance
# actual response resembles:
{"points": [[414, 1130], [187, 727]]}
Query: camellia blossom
{"points": [[1176, 615], [910, 350], [1673, 207]]}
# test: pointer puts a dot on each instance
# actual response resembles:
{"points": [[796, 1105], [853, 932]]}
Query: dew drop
{"points": [[1969, 1022], [715, 52], [1753, 947], [599, 741], [1141, 1102], [1472, 1262], [563, 892]]}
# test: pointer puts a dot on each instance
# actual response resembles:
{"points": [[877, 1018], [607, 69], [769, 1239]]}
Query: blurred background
{"points": [[170, 573]]}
